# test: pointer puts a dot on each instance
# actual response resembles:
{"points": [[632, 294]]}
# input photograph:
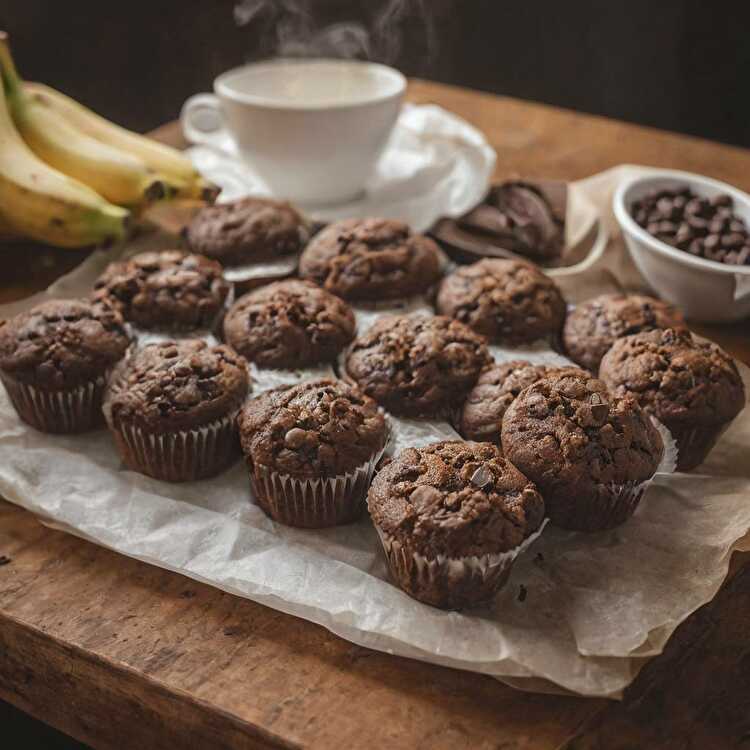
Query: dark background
{"points": [[678, 64]]}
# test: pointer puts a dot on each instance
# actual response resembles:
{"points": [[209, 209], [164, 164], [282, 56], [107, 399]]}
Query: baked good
{"points": [[693, 387], [481, 415], [452, 517], [311, 450], [592, 327], [55, 360], [172, 409], [289, 324], [247, 230], [589, 452], [417, 365], [508, 301], [371, 259], [168, 290]]}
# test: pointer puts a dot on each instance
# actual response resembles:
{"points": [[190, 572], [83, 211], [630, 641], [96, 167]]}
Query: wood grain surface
{"points": [[121, 654]]}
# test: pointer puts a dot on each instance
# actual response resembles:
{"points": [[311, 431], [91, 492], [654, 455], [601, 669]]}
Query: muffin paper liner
{"points": [[179, 456], [65, 411], [450, 582], [695, 443], [314, 503]]}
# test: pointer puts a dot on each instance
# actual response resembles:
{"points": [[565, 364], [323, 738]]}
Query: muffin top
{"points": [[417, 365], [371, 259], [677, 378], [62, 344], [167, 290], [320, 428], [289, 324], [508, 301], [177, 386], [455, 499], [592, 327], [247, 231], [481, 415], [568, 433]]}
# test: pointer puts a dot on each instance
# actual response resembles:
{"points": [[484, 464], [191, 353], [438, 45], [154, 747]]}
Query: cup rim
{"points": [[628, 224], [222, 87]]}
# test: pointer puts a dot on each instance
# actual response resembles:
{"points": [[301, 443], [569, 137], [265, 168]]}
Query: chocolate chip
{"points": [[600, 412], [522, 593], [5, 560], [481, 477], [295, 438]]}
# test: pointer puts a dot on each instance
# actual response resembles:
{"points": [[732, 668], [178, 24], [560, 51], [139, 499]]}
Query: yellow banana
{"points": [[158, 156], [46, 205], [116, 175]]}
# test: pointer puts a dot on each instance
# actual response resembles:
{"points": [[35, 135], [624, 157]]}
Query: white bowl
{"points": [[703, 289]]}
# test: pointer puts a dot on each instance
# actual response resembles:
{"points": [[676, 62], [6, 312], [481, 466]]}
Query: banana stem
{"points": [[11, 80]]}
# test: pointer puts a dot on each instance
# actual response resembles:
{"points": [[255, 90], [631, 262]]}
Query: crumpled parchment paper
{"points": [[596, 605]]}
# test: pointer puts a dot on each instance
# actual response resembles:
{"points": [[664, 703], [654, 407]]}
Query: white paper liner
{"points": [[314, 503], [458, 582], [182, 455], [63, 411], [269, 269]]}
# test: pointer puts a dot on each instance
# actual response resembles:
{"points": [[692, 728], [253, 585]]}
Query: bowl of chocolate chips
{"points": [[689, 236]]}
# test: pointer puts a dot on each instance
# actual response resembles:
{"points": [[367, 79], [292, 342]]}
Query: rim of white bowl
{"points": [[693, 180]]}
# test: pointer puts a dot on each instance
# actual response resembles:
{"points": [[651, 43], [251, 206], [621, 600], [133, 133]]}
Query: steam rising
{"points": [[298, 28]]}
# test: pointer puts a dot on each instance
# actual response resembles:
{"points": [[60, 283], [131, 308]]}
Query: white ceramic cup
{"points": [[313, 130]]}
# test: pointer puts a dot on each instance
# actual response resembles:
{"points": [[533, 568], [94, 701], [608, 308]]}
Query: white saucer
{"points": [[435, 165]]}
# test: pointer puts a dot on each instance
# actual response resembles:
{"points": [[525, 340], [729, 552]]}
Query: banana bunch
{"points": [[71, 178]]}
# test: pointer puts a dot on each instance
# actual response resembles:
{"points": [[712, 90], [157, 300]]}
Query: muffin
{"points": [[55, 360], [452, 517], [166, 291], [592, 327], [289, 324], [371, 259], [172, 409], [311, 450], [247, 230], [417, 366], [589, 452], [481, 415], [692, 387], [508, 301]]}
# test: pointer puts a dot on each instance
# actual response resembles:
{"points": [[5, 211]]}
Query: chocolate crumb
{"points": [[4, 560]]}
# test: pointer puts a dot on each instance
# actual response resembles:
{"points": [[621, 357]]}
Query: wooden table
{"points": [[121, 654]]}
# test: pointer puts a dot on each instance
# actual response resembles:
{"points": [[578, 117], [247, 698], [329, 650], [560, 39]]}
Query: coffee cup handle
{"points": [[203, 121]]}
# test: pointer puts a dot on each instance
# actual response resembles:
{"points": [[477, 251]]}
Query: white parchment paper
{"points": [[596, 605]]}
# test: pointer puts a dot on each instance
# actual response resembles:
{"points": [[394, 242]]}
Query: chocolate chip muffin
{"points": [[481, 415], [165, 291], [289, 324], [311, 450], [172, 409], [417, 366], [508, 301], [371, 259], [592, 327], [693, 387], [55, 360], [452, 517], [588, 451], [247, 230]]}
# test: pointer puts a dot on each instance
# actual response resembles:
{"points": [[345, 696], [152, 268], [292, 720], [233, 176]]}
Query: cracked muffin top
{"points": [[168, 290], [417, 365], [456, 499], [676, 377], [320, 428], [371, 259], [592, 327], [289, 324], [508, 301], [571, 436], [481, 415], [177, 386], [247, 231], [61, 344]]}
